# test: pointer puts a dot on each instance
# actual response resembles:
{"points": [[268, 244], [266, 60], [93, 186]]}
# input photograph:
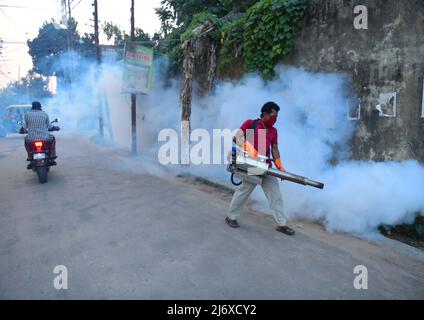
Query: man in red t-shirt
{"points": [[260, 137]]}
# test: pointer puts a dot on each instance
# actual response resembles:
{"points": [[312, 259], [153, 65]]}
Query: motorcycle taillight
{"points": [[38, 146]]}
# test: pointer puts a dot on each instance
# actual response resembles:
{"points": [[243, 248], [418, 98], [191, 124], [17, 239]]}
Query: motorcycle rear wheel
{"points": [[42, 174]]}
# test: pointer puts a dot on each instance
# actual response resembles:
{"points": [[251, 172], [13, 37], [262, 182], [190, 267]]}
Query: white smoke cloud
{"points": [[312, 124], [359, 196]]}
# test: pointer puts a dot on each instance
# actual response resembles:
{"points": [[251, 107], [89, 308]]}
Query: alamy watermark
{"points": [[361, 19], [203, 147], [360, 282], [60, 282]]}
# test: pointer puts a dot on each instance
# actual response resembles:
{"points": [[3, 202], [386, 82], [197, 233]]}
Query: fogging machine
{"points": [[255, 169]]}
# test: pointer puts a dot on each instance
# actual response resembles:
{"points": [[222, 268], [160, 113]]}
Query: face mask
{"points": [[271, 121]]}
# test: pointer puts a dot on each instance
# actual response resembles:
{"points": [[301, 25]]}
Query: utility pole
{"points": [[99, 60], [69, 12], [66, 15], [70, 32], [133, 96], [96, 32]]}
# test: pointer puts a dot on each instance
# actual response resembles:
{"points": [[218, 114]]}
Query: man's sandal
{"points": [[232, 223], [286, 230]]}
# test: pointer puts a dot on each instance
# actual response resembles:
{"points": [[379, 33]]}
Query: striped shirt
{"points": [[37, 123]]}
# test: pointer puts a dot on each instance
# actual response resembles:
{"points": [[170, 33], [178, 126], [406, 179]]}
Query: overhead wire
{"points": [[13, 22]]}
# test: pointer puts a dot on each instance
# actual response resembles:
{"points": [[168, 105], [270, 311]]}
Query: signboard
{"points": [[138, 68], [387, 104]]}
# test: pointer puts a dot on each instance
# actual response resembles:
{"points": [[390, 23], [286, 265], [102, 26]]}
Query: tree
{"points": [[112, 31], [260, 32], [178, 17], [52, 42], [167, 19], [49, 44]]}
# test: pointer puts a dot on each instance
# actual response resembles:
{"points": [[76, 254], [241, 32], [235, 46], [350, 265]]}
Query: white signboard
{"points": [[387, 104]]}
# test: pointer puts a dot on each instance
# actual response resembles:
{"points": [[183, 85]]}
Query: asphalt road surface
{"points": [[122, 232]]}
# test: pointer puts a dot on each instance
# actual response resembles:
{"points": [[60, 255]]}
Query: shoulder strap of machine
{"points": [[254, 124]]}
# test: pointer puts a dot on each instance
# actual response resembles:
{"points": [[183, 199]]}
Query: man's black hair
{"points": [[267, 107], [36, 105]]}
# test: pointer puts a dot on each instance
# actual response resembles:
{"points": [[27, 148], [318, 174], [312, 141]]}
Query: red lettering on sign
{"points": [[138, 56]]}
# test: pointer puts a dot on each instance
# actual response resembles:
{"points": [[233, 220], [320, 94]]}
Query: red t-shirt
{"points": [[271, 137]]}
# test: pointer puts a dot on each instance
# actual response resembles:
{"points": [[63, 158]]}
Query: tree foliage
{"points": [[53, 41], [119, 36], [113, 32], [262, 32]]}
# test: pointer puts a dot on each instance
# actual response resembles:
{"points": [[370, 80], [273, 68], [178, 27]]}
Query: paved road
{"points": [[124, 233]]}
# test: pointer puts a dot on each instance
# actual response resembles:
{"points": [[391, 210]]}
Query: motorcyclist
{"points": [[37, 124]]}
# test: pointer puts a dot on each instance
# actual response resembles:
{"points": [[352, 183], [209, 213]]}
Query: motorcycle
{"points": [[39, 155]]}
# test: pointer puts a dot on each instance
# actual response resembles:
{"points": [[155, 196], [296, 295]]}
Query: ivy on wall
{"points": [[261, 32], [269, 31]]}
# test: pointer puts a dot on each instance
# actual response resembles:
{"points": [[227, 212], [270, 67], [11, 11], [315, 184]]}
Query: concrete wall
{"points": [[387, 57]]}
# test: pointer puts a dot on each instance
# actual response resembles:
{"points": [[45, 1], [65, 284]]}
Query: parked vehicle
{"points": [[13, 114]]}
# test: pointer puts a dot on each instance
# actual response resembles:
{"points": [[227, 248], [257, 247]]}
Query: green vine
{"points": [[266, 34], [231, 42], [263, 34]]}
